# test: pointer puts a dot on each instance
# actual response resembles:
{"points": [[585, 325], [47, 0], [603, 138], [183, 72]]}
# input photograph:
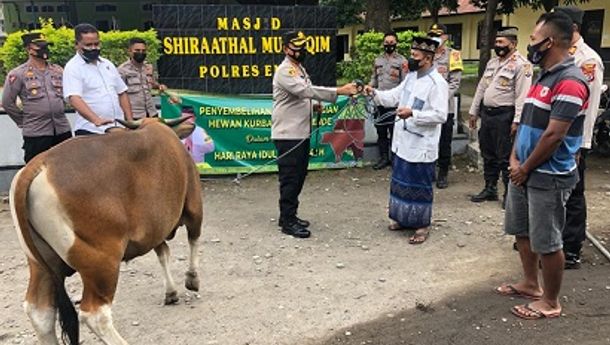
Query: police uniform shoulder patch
{"points": [[455, 61], [588, 69], [56, 67]]}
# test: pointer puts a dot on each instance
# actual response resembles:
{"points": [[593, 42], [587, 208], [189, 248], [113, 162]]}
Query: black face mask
{"points": [[42, 52], [534, 55], [501, 51], [389, 48], [139, 57], [91, 55], [414, 64], [301, 57]]}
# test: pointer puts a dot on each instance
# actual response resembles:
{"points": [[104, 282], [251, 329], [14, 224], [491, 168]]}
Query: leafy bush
{"points": [[114, 46], [368, 46]]}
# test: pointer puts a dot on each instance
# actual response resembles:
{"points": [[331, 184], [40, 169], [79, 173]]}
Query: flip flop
{"points": [[533, 314], [419, 238], [513, 292]]}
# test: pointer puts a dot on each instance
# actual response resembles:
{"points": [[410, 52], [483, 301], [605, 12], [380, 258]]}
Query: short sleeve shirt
{"points": [[99, 85], [559, 94]]}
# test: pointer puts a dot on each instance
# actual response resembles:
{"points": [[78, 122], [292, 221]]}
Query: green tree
{"points": [[493, 7], [367, 47], [377, 14]]}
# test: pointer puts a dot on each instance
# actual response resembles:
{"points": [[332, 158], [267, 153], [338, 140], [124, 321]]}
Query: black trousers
{"points": [[292, 172], [384, 131], [444, 145], [574, 232], [495, 141], [32, 146]]}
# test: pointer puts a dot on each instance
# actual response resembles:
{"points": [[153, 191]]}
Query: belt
{"points": [[498, 110]]}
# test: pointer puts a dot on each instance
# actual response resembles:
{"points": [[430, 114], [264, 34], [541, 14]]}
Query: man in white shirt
{"points": [[93, 86], [422, 101]]}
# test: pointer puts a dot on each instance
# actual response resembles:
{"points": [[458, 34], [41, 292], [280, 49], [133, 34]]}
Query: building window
{"points": [[31, 8], [105, 8], [147, 7], [497, 25], [33, 26], [63, 8], [47, 8], [342, 47], [455, 35]]}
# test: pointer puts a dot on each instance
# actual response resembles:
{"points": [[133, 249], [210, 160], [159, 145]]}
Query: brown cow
{"points": [[92, 202]]}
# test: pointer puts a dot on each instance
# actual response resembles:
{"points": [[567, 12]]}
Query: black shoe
{"points": [[572, 261], [441, 181], [489, 193], [302, 222], [296, 230], [382, 163]]}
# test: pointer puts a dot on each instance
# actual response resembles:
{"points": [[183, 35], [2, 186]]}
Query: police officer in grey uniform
{"points": [[140, 80], [389, 70], [448, 62], [498, 101], [39, 86], [291, 127]]}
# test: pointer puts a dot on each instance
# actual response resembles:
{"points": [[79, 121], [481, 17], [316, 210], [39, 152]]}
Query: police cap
{"points": [[437, 30], [507, 31], [33, 37], [298, 39], [575, 13]]}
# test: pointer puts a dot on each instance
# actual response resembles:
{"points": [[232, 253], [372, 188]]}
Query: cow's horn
{"points": [[130, 124], [175, 122]]}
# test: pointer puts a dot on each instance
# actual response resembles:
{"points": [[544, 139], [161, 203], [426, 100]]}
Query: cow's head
{"points": [[182, 126]]}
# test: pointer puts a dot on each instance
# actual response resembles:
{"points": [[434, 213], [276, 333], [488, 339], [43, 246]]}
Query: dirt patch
{"points": [[261, 287]]}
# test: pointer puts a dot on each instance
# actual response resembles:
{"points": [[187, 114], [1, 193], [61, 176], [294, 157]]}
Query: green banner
{"points": [[233, 134]]}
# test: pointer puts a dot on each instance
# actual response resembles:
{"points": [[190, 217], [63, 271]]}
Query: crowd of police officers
{"points": [[497, 103]]}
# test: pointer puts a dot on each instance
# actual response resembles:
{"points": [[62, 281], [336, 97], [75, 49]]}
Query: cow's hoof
{"points": [[192, 281], [171, 298]]}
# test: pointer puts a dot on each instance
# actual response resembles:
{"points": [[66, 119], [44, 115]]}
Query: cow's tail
{"points": [[68, 318]]}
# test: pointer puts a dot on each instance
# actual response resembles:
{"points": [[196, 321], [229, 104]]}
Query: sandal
{"points": [[420, 237], [526, 312], [395, 227], [511, 291]]}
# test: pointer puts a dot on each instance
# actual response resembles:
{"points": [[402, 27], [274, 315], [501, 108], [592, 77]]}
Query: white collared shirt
{"points": [[416, 138], [99, 85]]}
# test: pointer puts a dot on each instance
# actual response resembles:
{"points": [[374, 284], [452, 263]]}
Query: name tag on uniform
{"points": [[418, 104]]}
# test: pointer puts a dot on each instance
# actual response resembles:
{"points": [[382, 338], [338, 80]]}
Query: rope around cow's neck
{"points": [[370, 112]]}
